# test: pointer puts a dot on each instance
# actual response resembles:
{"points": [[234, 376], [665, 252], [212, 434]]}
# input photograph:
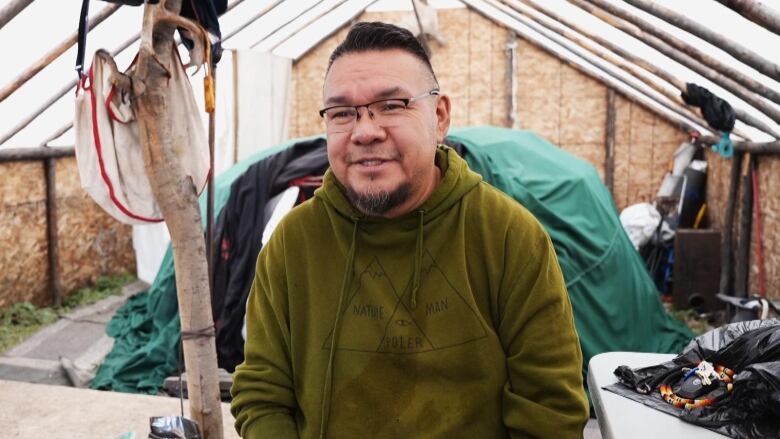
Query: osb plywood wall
{"points": [[91, 243], [555, 100]]}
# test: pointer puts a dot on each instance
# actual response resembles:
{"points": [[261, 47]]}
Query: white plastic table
{"points": [[622, 418]]}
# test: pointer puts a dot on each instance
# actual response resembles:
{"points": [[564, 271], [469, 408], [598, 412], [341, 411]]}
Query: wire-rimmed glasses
{"points": [[385, 112]]}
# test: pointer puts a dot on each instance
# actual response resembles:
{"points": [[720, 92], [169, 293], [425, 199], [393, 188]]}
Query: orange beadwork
{"points": [[668, 395]]}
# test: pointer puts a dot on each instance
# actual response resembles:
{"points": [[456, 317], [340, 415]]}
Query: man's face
{"points": [[387, 171]]}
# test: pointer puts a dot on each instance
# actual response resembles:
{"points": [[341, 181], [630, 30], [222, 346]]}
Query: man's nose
{"points": [[366, 131]]}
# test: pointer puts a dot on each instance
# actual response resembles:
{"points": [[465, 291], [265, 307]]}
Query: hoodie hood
{"points": [[457, 180]]}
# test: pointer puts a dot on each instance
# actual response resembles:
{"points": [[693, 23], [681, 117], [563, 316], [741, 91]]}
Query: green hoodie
{"points": [[449, 321]]}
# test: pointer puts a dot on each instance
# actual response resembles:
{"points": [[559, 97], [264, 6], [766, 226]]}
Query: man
{"points": [[408, 298]]}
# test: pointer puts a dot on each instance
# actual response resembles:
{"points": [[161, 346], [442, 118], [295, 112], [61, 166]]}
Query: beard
{"points": [[377, 203]]}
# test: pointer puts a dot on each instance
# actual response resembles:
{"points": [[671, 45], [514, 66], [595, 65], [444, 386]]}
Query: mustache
{"points": [[355, 158]]}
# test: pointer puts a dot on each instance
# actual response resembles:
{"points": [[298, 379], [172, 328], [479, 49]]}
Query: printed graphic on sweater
{"points": [[378, 319]]}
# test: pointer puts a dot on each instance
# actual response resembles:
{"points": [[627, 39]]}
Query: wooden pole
{"points": [[727, 254], [210, 189], [634, 63], [54, 53], [593, 49], [251, 20], [423, 37], [56, 96], [713, 75], [36, 153], [629, 92], [68, 125], [690, 51], [302, 26], [355, 14], [178, 201], [644, 70], [11, 9], [755, 148], [52, 244], [287, 23], [511, 79], [606, 67], [609, 147], [755, 11], [738, 51], [742, 271]]}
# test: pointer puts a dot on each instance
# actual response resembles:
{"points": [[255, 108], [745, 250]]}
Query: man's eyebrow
{"points": [[337, 100], [388, 93], [384, 94]]}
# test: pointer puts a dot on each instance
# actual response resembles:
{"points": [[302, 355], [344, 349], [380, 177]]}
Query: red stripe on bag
{"points": [[106, 179]]}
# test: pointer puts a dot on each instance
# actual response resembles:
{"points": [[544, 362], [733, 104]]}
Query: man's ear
{"points": [[442, 117]]}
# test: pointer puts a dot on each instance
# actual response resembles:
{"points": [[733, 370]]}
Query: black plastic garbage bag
{"points": [[750, 410]]}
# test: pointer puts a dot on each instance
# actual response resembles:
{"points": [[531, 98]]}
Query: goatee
{"points": [[380, 202]]}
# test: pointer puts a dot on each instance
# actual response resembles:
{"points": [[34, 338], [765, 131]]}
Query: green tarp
{"points": [[616, 305]]}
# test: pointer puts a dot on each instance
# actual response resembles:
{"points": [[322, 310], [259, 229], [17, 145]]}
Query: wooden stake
{"points": [[54, 53], [718, 77], [727, 254], [755, 11], [738, 51], [178, 201], [646, 71], [511, 79], [11, 9], [742, 271], [52, 242], [609, 147]]}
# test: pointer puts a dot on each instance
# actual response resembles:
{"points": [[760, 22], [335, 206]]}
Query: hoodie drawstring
{"points": [[418, 255], [328, 385]]}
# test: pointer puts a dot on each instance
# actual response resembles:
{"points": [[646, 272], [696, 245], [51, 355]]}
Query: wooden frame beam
{"points": [[53, 54], [11, 9], [642, 69], [738, 51], [755, 11], [714, 75]]}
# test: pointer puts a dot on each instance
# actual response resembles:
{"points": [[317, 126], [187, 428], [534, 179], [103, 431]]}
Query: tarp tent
{"points": [[615, 302]]}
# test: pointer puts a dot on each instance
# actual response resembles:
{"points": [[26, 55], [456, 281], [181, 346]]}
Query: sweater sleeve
{"points": [[264, 400], [544, 394]]}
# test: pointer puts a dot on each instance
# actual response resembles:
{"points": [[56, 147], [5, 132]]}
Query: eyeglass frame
{"points": [[406, 101]]}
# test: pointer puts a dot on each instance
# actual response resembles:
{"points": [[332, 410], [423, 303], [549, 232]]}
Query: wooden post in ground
{"points": [[176, 195]]}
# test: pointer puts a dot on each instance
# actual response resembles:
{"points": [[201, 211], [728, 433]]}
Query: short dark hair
{"points": [[375, 35]]}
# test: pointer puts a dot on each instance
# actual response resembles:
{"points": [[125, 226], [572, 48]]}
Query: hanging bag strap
{"points": [[82, 38]]}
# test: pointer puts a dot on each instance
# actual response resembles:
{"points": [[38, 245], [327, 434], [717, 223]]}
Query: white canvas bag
{"points": [[108, 150]]}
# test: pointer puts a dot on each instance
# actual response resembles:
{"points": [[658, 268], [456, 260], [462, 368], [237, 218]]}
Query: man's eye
{"points": [[391, 106], [342, 114]]}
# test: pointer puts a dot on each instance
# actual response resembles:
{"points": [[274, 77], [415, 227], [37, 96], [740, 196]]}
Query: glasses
{"points": [[385, 113]]}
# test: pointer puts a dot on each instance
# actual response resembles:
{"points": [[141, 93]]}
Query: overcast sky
{"points": [[45, 23]]}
